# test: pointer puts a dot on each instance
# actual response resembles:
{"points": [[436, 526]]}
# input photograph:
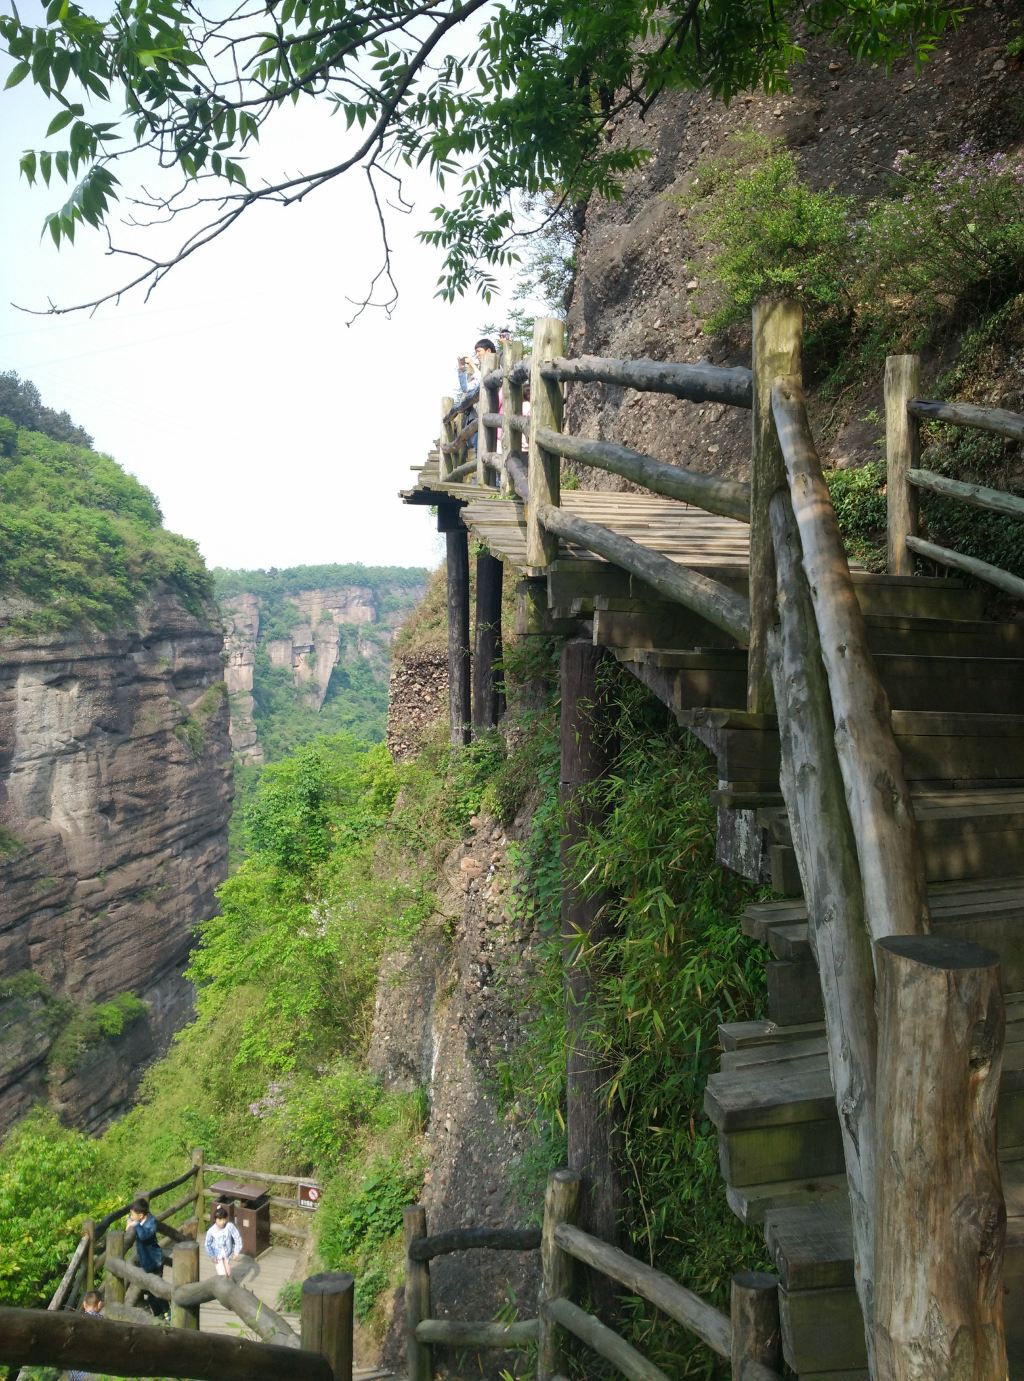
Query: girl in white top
{"points": [[223, 1242]]}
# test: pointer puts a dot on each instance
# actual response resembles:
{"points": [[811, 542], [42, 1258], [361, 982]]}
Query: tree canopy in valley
{"points": [[494, 97]]}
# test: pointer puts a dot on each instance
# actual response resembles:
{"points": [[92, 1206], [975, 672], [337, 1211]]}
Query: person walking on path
{"points": [[223, 1242], [148, 1251]]}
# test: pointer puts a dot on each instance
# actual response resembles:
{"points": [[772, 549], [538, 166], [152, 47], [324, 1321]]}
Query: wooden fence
{"points": [[323, 1351], [749, 1339], [810, 671]]}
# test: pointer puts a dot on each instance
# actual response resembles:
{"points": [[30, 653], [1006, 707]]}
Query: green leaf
{"points": [[17, 74], [62, 118]]}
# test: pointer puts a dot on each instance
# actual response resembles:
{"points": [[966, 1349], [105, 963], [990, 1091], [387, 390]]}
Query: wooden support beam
{"points": [[89, 1233], [327, 1320], [512, 403], [515, 471], [826, 851], [446, 459], [418, 1355], [777, 343], [709, 598], [561, 1204], [940, 1221], [458, 636], [185, 1271], [593, 1129], [67, 1282], [754, 1320], [35, 1337], [728, 497], [488, 680], [200, 1182], [543, 477], [902, 448], [696, 383], [472, 1239], [884, 827]]}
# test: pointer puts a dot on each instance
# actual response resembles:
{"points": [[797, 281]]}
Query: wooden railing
{"points": [[28, 1337], [811, 672], [904, 412], [750, 1339]]}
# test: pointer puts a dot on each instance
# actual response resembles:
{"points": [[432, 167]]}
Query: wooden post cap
{"points": [[328, 1283], [939, 951]]}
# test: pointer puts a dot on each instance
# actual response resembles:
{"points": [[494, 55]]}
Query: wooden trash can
{"points": [[248, 1207]]}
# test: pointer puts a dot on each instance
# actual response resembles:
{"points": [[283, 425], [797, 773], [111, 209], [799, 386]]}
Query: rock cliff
{"points": [[115, 792], [308, 633]]}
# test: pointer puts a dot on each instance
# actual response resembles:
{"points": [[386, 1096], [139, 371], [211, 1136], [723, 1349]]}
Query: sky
{"points": [[272, 433]]}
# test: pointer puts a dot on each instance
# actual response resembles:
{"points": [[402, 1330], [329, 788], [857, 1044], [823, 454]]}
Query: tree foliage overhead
{"points": [[495, 97]]}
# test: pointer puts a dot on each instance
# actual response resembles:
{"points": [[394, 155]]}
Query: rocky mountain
{"points": [[115, 791], [324, 640]]}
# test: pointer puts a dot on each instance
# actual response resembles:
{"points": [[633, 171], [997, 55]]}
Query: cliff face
{"points": [[115, 792], [330, 627]]}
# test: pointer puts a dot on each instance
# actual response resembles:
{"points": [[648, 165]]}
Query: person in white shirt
{"points": [[223, 1242]]}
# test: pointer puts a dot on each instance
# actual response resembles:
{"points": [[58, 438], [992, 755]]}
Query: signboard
{"points": [[309, 1196]]}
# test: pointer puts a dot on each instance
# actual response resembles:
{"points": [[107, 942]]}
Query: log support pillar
{"points": [[418, 1356], [185, 1271], [113, 1286], [902, 453], [544, 473], [487, 437], [200, 1185], [457, 545], [592, 1126], [512, 402], [327, 1320], [488, 681], [777, 339], [89, 1232], [754, 1316], [940, 1220], [561, 1200]]}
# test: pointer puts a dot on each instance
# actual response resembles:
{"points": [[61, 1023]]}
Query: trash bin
{"points": [[248, 1207]]}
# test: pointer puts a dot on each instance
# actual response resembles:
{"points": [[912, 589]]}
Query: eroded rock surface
{"points": [[115, 792]]}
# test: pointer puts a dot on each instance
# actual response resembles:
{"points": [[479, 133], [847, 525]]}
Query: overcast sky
{"points": [[271, 433]]}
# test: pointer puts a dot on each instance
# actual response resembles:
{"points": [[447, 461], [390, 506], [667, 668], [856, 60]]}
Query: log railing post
{"points": [[902, 445], [113, 1286], [561, 1200], [457, 570], [486, 437], [777, 339], [512, 402], [89, 1233], [418, 1358], [446, 462], [487, 681], [940, 1220], [544, 469], [200, 1186], [185, 1271], [327, 1319], [754, 1316]]}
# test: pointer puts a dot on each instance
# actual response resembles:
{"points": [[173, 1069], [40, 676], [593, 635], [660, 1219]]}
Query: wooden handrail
{"points": [[708, 1323], [970, 565], [261, 1175], [34, 1337], [470, 1239], [727, 497], [997, 420], [68, 1279], [709, 598], [515, 469], [892, 873], [603, 1340], [696, 383], [149, 1194], [471, 1333], [460, 439], [1010, 505], [517, 421], [256, 1315]]}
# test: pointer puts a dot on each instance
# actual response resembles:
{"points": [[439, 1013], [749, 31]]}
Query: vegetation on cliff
{"points": [[83, 540]]}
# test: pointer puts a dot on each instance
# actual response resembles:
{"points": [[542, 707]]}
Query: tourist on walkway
{"points": [[148, 1252], [223, 1242]]}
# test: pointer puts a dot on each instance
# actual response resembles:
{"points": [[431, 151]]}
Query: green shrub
{"points": [[858, 497], [90, 1026], [355, 1219]]}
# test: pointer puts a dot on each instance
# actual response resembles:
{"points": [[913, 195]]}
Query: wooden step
{"points": [[989, 911], [812, 1249], [963, 834]]}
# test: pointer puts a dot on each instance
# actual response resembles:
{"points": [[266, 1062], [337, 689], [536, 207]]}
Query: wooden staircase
{"points": [[953, 681]]}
